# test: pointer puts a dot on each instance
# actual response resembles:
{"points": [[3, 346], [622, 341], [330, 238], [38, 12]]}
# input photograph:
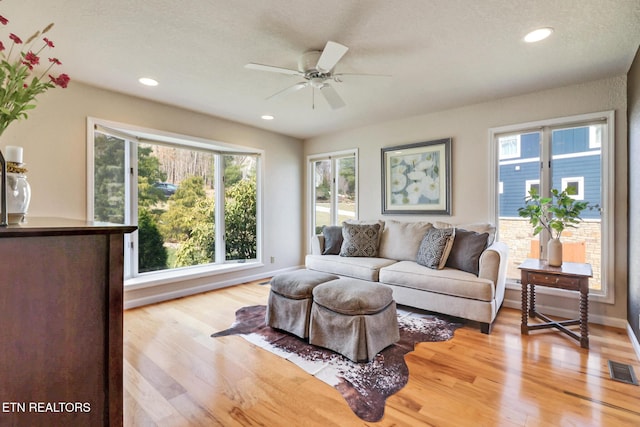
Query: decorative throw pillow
{"points": [[466, 251], [332, 239], [434, 247], [369, 222], [360, 240]]}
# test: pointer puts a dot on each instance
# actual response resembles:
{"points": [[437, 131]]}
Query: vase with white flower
{"points": [[22, 79]]}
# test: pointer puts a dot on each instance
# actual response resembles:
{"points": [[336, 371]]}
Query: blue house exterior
{"points": [[576, 162]]}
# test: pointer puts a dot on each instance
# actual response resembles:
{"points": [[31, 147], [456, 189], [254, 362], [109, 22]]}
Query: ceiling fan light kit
{"points": [[317, 69]]}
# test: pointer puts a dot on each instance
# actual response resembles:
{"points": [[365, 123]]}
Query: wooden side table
{"points": [[570, 276]]}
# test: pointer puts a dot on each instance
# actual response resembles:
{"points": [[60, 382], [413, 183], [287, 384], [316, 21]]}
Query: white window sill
{"points": [[147, 280]]}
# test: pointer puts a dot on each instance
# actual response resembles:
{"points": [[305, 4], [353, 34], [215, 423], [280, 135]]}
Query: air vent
{"points": [[623, 373]]}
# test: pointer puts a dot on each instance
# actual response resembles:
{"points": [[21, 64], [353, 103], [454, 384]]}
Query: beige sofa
{"points": [[447, 290]]}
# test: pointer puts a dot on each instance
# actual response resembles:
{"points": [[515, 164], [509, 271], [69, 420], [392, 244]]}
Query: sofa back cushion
{"points": [[360, 240], [435, 246], [401, 239]]}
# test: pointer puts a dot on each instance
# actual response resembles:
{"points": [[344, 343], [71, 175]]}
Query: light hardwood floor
{"points": [[177, 375]]}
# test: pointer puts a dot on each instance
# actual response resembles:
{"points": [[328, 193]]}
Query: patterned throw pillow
{"points": [[435, 247], [360, 240]]}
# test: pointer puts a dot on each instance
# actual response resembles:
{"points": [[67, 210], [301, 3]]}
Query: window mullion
{"points": [[131, 200], [545, 179], [334, 191], [545, 162], [219, 209]]}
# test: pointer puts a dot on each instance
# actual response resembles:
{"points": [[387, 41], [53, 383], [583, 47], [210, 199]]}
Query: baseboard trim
{"points": [[166, 296], [569, 314], [634, 340]]}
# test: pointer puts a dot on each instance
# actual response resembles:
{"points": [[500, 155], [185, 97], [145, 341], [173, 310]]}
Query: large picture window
{"points": [[195, 203], [558, 154]]}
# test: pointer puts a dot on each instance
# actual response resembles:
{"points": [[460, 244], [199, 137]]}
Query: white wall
{"points": [[54, 141], [469, 126]]}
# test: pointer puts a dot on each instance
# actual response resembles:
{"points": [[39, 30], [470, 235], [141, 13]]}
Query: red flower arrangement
{"points": [[18, 86]]}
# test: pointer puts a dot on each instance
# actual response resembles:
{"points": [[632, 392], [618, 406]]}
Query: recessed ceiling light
{"points": [[148, 81], [539, 34], [267, 117]]}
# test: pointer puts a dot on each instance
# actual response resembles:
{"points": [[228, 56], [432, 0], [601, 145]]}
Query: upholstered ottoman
{"points": [[289, 304], [355, 318]]}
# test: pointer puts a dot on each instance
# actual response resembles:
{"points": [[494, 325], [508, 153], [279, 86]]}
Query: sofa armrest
{"points": [[493, 262], [317, 244], [493, 266]]}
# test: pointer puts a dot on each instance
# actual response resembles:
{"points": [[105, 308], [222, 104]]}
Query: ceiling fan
{"points": [[316, 68]]}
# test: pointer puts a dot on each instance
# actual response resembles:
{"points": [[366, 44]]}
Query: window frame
{"points": [[333, 157], [607, 292], [129, 132]]}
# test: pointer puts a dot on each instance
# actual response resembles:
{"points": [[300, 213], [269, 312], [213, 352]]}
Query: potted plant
{"points": [[554, 214]]}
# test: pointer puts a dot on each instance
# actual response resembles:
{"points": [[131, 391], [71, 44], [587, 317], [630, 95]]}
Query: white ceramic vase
{"points": [[18, 197], [554, 253]]}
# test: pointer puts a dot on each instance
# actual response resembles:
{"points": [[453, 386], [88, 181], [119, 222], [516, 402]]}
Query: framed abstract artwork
{"points": [[416, 178]]}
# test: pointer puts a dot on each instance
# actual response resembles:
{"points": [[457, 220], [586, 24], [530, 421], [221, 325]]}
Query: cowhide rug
{"points": [[365, 386]]}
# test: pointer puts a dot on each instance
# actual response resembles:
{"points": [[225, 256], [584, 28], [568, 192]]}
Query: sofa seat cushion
{"points": [[364, 268], [446, 281]]}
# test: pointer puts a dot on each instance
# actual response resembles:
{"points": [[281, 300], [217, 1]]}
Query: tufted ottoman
{"points": [[289, 304], [355, 318]]}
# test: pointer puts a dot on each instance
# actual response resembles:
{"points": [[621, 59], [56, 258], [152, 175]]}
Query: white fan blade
{"points": [[330, 56], [360, 75], [271, 68], [296, 87], [332, 97]]}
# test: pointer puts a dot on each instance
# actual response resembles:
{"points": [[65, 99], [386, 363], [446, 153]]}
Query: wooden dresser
{"points": [[61, 323]]}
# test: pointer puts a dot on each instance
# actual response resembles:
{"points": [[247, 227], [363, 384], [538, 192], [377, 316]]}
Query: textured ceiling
{"points": [[440, 54]]}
